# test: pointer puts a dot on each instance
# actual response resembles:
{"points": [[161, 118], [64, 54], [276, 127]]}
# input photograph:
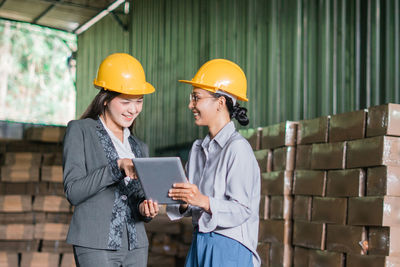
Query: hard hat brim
{"points": [[148, 89], [210, 88]]}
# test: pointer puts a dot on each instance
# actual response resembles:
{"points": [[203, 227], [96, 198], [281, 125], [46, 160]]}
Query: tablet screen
{"points": [[157, 175]]}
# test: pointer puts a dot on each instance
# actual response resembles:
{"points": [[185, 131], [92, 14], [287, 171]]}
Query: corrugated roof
{"points": [[58, 14]]}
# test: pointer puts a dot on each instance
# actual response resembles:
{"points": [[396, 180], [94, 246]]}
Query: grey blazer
{"points": [[94, 185]]}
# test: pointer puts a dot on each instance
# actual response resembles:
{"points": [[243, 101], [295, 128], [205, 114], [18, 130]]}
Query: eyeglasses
{"points": [[195, 98]]}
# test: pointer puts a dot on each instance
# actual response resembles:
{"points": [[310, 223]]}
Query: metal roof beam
{"points": [[71, 4], [115, 16], [50, 7], [2, 3]]}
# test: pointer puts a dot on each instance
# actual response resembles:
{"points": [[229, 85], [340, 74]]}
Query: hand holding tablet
{"points": [[157, 175]]}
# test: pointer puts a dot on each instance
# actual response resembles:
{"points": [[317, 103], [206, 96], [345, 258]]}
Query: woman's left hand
{"points": [[148, 208], [190, 194]]}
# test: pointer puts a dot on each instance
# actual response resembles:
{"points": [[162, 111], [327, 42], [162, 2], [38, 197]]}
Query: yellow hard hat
{"points": [[221, 74], [124, 74]]}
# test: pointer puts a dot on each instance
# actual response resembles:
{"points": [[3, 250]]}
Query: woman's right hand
{"points": [[127, 166]]}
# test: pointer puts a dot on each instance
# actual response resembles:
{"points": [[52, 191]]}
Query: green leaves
{"points": [[37, 81]]}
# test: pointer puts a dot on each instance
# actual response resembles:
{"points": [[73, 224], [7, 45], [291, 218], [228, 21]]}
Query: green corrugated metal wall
{"points": [[94, 45], [302, 58]]}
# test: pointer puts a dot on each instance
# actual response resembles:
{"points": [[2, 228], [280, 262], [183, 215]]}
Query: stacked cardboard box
{"points": [[252, 136], [45, 134], [345, 193], [276, 159], [338, 221], [169, 241], [34, 214]]}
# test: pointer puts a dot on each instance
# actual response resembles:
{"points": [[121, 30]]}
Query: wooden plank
{"points": [[52, 174], [39, 259], [49, 159], [18, 173], [45, 134], [16, 231], [21, 217], [51, 231], [56, 246], [51, 204], [27, 159], [68, 260], [19, 245], [24, 188], [8, 259], [15, 203]]}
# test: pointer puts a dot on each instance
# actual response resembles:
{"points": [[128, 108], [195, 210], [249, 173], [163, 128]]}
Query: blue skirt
{"points": [[215, 250]]}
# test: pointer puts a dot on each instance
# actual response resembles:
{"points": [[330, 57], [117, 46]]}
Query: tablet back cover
{"points": [[157, 176]]}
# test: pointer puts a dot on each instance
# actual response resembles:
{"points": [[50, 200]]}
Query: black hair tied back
{"points": [[235, 111], [239, 113]]}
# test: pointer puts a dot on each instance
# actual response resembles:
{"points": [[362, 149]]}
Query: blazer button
{"points": [[124, 197]]}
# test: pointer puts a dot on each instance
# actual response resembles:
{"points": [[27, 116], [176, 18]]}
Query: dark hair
{"points": [[97, 107], [235, 111]]}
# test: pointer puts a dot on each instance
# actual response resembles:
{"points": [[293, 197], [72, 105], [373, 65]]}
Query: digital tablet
{"points": [[157, 175]]}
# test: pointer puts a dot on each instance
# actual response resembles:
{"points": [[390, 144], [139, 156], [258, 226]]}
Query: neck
{"points": [[116, 129], [217, 125]]}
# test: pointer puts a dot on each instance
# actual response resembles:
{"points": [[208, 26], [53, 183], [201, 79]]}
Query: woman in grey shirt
{"points": [[99, 179], [223, 192]]}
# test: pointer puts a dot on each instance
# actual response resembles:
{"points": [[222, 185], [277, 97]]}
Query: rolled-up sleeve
{"points": [[174, 213], [235, 208]]}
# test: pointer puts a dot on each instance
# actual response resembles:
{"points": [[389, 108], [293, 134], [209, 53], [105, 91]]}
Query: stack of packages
{"points": [[377, 211], [34, 213], [345, 210], [276, 160], [313, 207], [169, 240], [340, 204]]}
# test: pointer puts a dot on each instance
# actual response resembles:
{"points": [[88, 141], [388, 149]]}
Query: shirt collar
{"points": [[222, 137], [127, 133]]}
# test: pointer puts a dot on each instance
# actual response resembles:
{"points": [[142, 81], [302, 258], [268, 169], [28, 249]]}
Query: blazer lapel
{"points": [[136, 149]]}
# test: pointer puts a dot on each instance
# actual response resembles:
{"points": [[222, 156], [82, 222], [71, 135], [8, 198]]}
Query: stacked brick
{"points": [[350, 219], [169, 240], [34, 214], [276, 158], [344, 192]]}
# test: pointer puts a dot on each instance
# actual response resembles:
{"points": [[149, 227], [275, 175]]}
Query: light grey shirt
{"points": [[224, 169]]}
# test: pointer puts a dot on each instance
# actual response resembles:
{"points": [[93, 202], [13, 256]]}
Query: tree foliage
{"points": [[37, 74]]}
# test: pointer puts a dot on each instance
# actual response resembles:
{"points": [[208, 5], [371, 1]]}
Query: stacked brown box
{"points": [[36, 210], [34, 214], [377, 208], [44, 259], [169, 241], [253, 136], [20, 167], [309, 188], [322, 186], [347, 190], [45, 134], [278, 143], [68, 260], [8, 259]]}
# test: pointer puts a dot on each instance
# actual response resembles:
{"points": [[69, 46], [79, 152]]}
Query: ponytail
{"points": [[235, 111]]}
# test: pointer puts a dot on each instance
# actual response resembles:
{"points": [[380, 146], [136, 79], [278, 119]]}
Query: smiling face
{"points": [[122, 110], [203, 106]]}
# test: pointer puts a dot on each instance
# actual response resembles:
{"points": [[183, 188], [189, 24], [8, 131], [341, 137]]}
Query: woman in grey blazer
{"points": [[99, 178]]}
